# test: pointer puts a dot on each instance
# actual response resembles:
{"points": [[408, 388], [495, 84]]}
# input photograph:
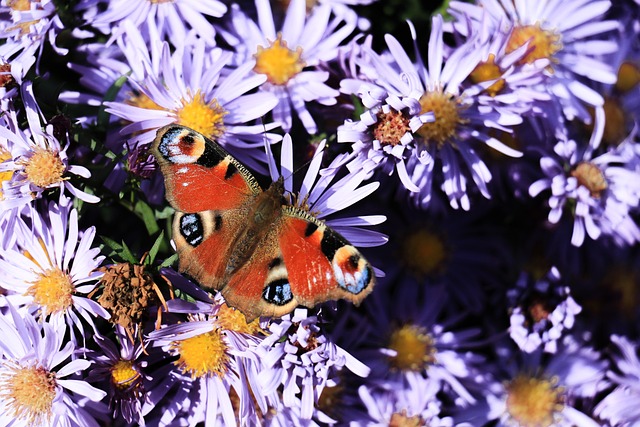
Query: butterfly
{"points": [[265, 256]]}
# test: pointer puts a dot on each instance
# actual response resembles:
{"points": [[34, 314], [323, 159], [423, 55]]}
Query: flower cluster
{"points": [[482, 155]]}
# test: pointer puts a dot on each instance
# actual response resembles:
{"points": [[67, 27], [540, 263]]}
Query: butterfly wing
{"points": [[300, 261], [321, 264], [211, 192], [199, 175]]}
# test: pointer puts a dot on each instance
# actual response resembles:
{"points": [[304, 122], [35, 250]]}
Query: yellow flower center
{"points": [[44, 168], [445, 108], [231, 319], [401, 419], [628, 77], [201, 116], [543, 43], [533, 402], [424, 253], [143, 101], [7, 175], [391, 127], [28, 393], [414, 347], [278, 62], [204, 354], [19, 5], [486, 71], [52, 290], [590, 176], [123, 375], [615, 130]]}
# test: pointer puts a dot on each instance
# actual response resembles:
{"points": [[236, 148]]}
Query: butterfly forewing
{"points": [[199, 174]]}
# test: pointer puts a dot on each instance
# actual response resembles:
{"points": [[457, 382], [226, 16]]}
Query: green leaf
{"points": [[112, 92], [169, 261], [147, 215], [153, 252], [120, 251]]}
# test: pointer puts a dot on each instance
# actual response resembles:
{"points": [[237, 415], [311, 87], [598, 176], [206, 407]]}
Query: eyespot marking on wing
{"points": [[180, 146], [278, 292], [350, 269], [191, 229]]}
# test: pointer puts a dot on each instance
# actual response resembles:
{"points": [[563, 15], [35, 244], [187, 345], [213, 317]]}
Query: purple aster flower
{"points": [[540, 311], [319, 196], [599, 192], [52, 267], [421, 149], [620, 406], [301, 361], [291, 58], [30, 24], [174, 18], [119, 365], [38, 376], [404, 403], [192, 88], [213, 366], [572, 35], [34, 159], [540, 389], [409, 338]]}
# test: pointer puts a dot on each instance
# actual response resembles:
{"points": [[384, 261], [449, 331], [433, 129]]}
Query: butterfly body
{"points": [[265, 256]]}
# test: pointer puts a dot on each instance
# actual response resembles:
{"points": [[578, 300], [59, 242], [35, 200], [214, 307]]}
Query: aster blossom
{"points": [[211, 363], [174, 18], [571, 34], [34, 160], [37, 384], [598, 191], [541, 311], [425, 147], [51, 268], [191, 87], [301, 361], [291, 58], [534, 390]]}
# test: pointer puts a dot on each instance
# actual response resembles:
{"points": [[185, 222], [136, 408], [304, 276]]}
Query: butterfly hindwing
{"points": [[199, 174], [321, 264]]}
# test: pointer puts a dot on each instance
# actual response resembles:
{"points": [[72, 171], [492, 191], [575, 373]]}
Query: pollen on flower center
{"points": [[533, 402], [278, 62], [424, 253], [486, 71], [6, 79], [201, 116], [6, 175], [19, 5], [52, 290], [142, 100], [231, 319], [538, 310], [402, 419], [204, 354], [445, 110], [414, 347], [628, 77], [391, 127], [44, 168], [591, 177], [123, 375], [29, 393], [542, 43]]}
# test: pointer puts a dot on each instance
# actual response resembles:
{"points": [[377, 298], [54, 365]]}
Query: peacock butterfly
{"points": [[265, 256]]}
